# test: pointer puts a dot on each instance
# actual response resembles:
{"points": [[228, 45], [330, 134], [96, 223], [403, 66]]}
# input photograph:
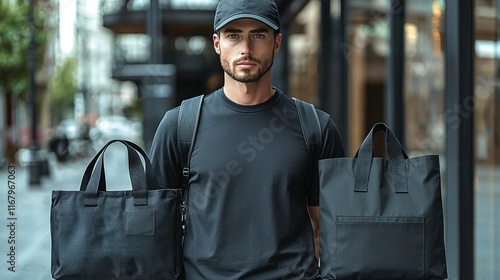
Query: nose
{"points": [[246, 48]]}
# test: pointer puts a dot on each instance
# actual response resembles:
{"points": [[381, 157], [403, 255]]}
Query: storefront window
{"points": [[424, 77], [303, 48], [366, 49], [487, 141], [366, 53]]}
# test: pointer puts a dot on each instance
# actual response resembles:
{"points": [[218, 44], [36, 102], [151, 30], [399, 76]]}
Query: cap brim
{"points": [[252, 16]]}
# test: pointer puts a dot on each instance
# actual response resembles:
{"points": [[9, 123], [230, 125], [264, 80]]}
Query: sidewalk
{"points": [[31, 233], [30, 230]]}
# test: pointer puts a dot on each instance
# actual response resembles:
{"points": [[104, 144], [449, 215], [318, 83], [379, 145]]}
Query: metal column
{"points": [[154, 26], [332, 64], [158, 84], [459, 119], [34, 165], [394, 95]]}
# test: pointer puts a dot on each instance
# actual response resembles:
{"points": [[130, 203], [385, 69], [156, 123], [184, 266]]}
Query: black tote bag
{"points": [[131, 234], [381, 218]]}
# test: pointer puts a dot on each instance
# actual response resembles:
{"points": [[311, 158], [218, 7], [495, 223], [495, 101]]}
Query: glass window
{"points": [[424, 77], [303, 51], [366, 49], [132, 48], [487, 141], [366, 52]]}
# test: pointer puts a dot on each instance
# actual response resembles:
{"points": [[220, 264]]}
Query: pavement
{"points": [[29, 224]]}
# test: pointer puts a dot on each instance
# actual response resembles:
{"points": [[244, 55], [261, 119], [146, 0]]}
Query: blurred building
{"points": [[165, 49], [82, 36]]}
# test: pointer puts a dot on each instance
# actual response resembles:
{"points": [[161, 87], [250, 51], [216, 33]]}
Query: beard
{"points": [[247, 75]]}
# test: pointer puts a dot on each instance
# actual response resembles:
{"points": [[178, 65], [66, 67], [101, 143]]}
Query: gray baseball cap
{"points": [[265, 11]]}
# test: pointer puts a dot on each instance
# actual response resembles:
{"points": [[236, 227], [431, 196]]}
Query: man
{"points": [[252, 200]]}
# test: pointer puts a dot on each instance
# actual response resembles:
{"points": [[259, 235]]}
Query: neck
{"points": [[248, 93]]}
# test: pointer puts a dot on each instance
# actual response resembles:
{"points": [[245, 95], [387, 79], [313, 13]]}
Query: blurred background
{"points": [[75, 74]]}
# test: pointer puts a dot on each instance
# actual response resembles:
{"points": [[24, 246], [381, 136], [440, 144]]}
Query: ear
{"points": [[277, 43], [216, 43]]}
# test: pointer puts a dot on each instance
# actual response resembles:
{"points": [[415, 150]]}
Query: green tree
{"points": [[62, 88], [15, 36]]}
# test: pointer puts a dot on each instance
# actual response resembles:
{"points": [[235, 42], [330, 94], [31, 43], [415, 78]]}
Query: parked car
{"points": [[71, 129], [116, 127]]}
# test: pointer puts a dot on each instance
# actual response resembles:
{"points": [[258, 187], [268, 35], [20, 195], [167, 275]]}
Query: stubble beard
{"points": [[247, 76]]}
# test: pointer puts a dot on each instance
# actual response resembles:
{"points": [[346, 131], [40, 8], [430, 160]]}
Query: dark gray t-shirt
{"points": [[247, 199]]}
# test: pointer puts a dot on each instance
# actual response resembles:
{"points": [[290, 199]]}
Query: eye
{"points": [[232, 36], [259, 36]]}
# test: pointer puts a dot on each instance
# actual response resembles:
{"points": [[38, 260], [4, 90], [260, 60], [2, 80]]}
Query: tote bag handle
{"points": [[94, 178], [396, 164]]}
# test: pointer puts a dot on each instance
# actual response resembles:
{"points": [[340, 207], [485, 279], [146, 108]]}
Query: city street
{"points": [[32, 211]]}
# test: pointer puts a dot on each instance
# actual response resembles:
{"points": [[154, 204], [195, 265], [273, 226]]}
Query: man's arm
{"points": [[164, 153], [314, 216], [332, 148]]}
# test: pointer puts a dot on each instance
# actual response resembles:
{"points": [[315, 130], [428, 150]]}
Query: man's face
{"points": [[246, 48]]}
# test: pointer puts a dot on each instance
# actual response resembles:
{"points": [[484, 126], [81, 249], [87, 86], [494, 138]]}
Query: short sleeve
{"points": [[164, 154], [331, 147]]}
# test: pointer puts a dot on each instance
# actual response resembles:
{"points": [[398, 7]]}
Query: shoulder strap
{"points": [[187, 126], [311, 130], [309, 122]]}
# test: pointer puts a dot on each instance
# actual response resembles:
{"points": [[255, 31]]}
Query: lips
{"points": [[246, 63], [246, 60]]}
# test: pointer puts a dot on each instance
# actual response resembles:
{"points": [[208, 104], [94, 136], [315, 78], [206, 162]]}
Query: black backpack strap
{"points": [[187, 126], [309, 121], [311, 129]]}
